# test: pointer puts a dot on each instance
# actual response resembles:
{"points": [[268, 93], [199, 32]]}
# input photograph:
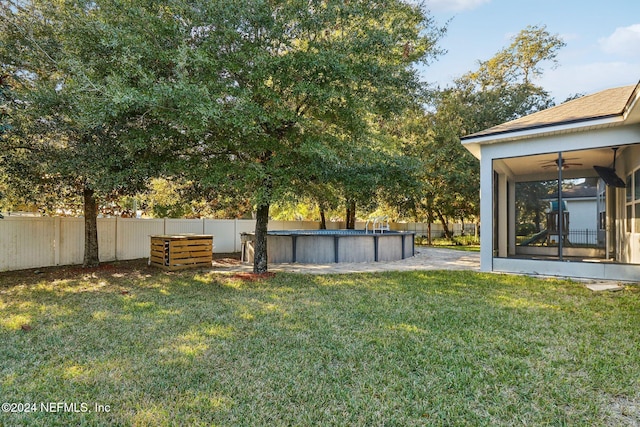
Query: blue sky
{"points": [[602, 40]]}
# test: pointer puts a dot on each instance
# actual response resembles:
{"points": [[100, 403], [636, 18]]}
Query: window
{"points": [[633, 202], [602, 205]]}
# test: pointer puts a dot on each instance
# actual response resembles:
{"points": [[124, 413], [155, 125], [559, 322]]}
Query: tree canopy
{"points": [[78, 125], [252, 98], [290, 93], [500, 90], [248, 103]]}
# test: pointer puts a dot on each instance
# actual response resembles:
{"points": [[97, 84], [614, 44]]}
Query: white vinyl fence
{"points": [[32, 242]]}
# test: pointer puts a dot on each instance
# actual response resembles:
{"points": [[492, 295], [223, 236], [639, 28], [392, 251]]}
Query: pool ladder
{"points": [[380, 223]]}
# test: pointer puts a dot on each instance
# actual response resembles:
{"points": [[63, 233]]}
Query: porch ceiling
{"points": [[578, 164]]}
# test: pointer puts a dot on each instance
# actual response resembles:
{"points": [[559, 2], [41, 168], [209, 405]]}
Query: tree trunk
{"points": [[351, 215], [445, 225], [323, 219], [260, 250], [90, 229], [429, 222]]}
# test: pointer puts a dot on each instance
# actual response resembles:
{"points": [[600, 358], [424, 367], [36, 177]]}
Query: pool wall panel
{"points": [[315, 249], [356, 249], [390, 248], [279, 249], [409, 245]]}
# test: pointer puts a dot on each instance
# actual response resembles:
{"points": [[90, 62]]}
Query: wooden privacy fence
{"points": [[32, 242]]}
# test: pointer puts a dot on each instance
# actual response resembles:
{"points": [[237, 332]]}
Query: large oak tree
{"points": [[82, 75], [254, 98], [290, 89]]}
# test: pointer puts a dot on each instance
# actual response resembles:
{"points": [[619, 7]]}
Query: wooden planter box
{"points": [[179, 252]]}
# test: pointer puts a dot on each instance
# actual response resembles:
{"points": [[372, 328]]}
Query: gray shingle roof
{"points": [[605, 104]]}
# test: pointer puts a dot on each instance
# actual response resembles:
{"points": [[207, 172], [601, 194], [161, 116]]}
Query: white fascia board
{"points": [[544, 131], [569, 141]]}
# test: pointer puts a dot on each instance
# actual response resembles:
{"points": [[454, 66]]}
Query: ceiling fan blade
{"points": [[555, 161]]}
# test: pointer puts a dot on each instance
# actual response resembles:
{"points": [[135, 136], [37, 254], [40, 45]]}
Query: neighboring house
{"points": [[596, 136], [581, 204]]}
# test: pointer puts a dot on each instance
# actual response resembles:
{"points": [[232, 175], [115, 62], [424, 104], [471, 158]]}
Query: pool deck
{"points": [[426, 258]]}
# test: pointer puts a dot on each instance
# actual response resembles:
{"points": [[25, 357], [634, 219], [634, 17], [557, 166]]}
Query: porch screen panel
{"points": [[636, 200], [629, 199], [633, 202]]}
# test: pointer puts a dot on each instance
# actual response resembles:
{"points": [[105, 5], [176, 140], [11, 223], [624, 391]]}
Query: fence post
{"points": [[116, 239], [235, 234], [56, 240]]}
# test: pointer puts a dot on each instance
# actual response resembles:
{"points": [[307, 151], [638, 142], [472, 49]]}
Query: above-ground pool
{"points": [[330, 246]]}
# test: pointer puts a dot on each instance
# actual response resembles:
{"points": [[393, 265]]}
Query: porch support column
{"points": [[512, 217], [503, 220], [486, 213], [561, 229]]}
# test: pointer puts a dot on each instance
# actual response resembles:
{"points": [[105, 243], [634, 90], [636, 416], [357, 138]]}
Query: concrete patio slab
{"points": [[426, 258], [605, 286]]}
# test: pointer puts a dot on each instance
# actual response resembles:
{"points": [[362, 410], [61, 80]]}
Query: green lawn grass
{"points": [[420, 348]]}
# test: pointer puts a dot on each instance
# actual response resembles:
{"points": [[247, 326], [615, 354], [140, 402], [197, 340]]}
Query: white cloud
{"points": [[624, 41], [454, 5], [566, 37]]}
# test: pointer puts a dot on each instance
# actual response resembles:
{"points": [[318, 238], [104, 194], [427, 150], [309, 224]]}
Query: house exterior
{"points": [[595, 137]]}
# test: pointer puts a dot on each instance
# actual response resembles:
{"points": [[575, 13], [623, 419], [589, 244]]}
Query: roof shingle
{"points": [[608, 103]]}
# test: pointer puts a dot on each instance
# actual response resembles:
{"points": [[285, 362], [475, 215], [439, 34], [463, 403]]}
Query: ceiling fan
{"points": [[556, 164]]}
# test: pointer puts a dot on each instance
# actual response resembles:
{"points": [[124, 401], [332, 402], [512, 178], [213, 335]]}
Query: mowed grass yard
{"points": [[420, 348]]}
